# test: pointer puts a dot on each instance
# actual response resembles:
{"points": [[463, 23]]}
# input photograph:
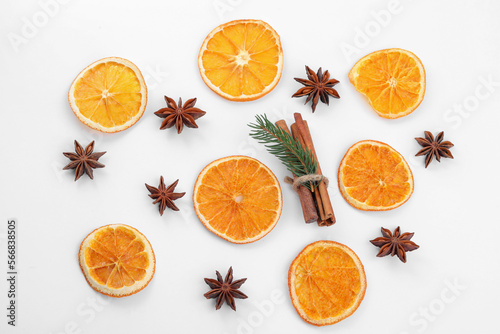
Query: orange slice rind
{"points": [[241, 60], [373, 176], [393, 81], [117, 260], [327, 283], [238, 199], [109, 95]]}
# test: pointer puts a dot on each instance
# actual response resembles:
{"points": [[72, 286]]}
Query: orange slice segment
{"points": [[109, 95], [327, 282], [374, 177], [117, 260], [393, 81], [241, 60], [238, 198]]}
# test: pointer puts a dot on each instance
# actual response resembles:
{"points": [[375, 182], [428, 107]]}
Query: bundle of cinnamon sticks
{"points": [[316, 205]]}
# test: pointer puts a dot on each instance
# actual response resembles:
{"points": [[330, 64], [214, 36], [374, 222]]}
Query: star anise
{"points": [[164, 195], [225, 290], [434, 147], [318, 87], [179, 115], [83, 161], [395, 244]]}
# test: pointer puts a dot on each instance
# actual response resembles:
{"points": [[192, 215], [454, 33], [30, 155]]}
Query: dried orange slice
{"points": [[109, 95], [238, 198], [241, 60], [374, 177], [117, 260], [327, 282], [393, 80]]}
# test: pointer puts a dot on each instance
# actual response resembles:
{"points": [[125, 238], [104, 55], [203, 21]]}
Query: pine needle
{"points": [[298, 160]]}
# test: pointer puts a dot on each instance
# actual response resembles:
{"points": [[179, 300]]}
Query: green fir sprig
{"points": [[298, 160]]}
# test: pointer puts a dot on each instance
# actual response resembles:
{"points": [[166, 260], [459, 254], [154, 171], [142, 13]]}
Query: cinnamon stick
{"points": [[323, 191], [326, 214], [319, 204], [305, 196]]}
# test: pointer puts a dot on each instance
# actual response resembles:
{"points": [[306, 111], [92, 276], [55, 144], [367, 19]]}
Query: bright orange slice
{"points": [[393, 80], [241, 60], [327, 283], [109, 95], [117, 260], [374, 177], [238, 198]]}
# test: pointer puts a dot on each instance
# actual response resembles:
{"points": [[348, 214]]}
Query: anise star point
{"points": [[179, 114], [83, 160], [225, 290], [317, 88], [394, 243], [434, 147], [164, 195]]}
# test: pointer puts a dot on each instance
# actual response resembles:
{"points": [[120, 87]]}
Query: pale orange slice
{"points": [[238, 198], [109, 95], [327, 283], [393, 81], [117, 260], [241, 60], [374, 177]]}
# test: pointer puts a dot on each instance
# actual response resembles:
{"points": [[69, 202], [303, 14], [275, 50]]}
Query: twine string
{"points": [[301, 180]]}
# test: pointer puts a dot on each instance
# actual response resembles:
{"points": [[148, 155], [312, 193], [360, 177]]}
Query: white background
{"points": [[453, 210]]}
